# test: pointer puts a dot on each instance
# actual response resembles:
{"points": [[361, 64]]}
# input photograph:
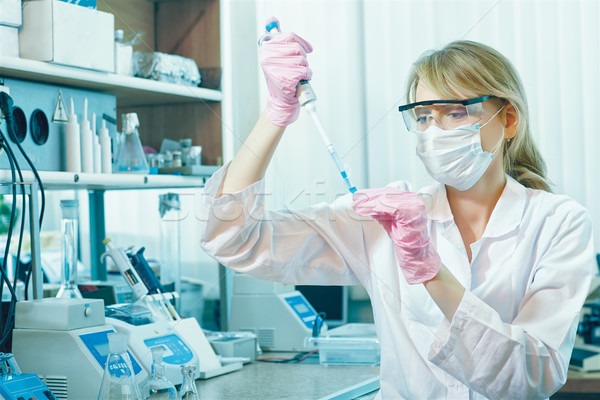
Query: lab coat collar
{"points": [[507, 214]]}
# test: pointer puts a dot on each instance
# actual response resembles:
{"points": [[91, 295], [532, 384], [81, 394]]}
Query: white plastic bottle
{"points": [[87, 152], [73, 147], [105, 151], [96, 147]]}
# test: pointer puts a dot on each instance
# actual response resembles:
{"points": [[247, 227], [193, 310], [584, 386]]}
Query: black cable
{"points": [[6, 105], [10, 317]]}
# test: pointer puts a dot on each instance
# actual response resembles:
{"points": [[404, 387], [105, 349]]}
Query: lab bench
{"points": [[580, 386], [268, 380]]}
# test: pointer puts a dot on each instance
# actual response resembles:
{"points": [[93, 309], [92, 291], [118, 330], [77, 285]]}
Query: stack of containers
{"points": [[10, 21]]}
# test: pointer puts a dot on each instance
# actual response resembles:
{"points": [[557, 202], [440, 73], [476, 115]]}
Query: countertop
{"points": [[267, 380]]}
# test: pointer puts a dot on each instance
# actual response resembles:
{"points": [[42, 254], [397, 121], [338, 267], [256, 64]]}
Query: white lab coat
{"points": [[513, 332]]}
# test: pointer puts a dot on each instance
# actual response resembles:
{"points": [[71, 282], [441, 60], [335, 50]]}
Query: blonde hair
{"points": [[474, 69]]}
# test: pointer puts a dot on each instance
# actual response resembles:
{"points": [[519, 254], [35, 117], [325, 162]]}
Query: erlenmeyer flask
{"points": [[70, 232], [130, 157], [118, 381], [188, 390], [159, 387]]}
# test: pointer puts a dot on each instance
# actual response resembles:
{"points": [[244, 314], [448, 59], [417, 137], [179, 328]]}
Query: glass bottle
{"points": [[70, 231], [159, 387], [130, 153], [118, 381], [169, 208], [188, 390]]}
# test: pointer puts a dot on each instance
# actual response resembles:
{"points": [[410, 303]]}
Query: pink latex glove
{"points": [[402, 215], [283, 61]]}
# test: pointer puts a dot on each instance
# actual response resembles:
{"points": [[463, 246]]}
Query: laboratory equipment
{"points": [[112, 292], [73, 142], [129, 273], [159, 387], [307, 98], [130, 156], [156, 291], [105, 149], [280, 316], [586, 353], [118, 381], [70, 234], [350, 344], [188, 390], [169, 209], [145, 336], [65, 342], [234, 344], [15, 385], [183, 339], [87, 145]]}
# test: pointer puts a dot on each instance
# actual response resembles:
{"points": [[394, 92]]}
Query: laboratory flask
{"points": [[159, 387], [169, 209], [130, 157], [188, 390], [70, 231], [118, 381]]}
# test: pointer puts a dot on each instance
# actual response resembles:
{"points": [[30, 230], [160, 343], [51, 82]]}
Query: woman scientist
{"points": [[476, 295]]}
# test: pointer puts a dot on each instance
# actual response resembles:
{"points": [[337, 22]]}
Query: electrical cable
{"points": [[6, 104], [296, 359], [8, 326]]}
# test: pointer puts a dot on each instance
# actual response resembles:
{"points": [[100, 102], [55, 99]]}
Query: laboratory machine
{"points": [[15, 385], [65, 342], [152, 321], [280, 316]]}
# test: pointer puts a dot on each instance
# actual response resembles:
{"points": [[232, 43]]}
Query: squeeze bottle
{"points": [[96, 147], [87, 153], [73, 149], [105, 152]]}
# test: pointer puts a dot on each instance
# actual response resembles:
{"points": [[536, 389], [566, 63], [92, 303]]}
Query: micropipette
{"points": [[307, 98]]}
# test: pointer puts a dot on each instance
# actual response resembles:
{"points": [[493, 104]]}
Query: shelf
{"points": [[130, 91], [69, 180]]}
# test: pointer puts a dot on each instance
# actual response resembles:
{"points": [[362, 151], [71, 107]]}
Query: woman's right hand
{"points": [[283, 61]]}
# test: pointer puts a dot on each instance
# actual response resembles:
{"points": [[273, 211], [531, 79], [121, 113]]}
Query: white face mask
{"points": [[455, 157]]}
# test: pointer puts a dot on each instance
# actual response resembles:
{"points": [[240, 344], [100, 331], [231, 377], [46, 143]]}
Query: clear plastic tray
{"points": [[350, 344]]}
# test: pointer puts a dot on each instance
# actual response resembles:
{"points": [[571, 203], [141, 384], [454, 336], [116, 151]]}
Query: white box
{"points": [[64, 33], [9, 41], [10, 12]]}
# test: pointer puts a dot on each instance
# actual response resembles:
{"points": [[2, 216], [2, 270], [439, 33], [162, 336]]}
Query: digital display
{"points": [[102, 349], [301, 308]]}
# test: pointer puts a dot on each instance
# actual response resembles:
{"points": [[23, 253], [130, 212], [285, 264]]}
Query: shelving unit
{"points": [[130, 91], [189, 28]]}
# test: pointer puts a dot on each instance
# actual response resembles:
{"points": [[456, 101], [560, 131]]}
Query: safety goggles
{"points": [[446, 114]]}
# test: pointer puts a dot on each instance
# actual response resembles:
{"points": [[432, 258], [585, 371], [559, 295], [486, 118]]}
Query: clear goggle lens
{"points": [[446, 116]]}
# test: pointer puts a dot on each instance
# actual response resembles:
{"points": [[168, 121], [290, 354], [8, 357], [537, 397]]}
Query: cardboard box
{"points": [[9, 41], [10, 12], [68, 34]]}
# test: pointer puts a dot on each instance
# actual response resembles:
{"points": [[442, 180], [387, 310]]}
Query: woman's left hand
{"points": [[402, 214]]}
